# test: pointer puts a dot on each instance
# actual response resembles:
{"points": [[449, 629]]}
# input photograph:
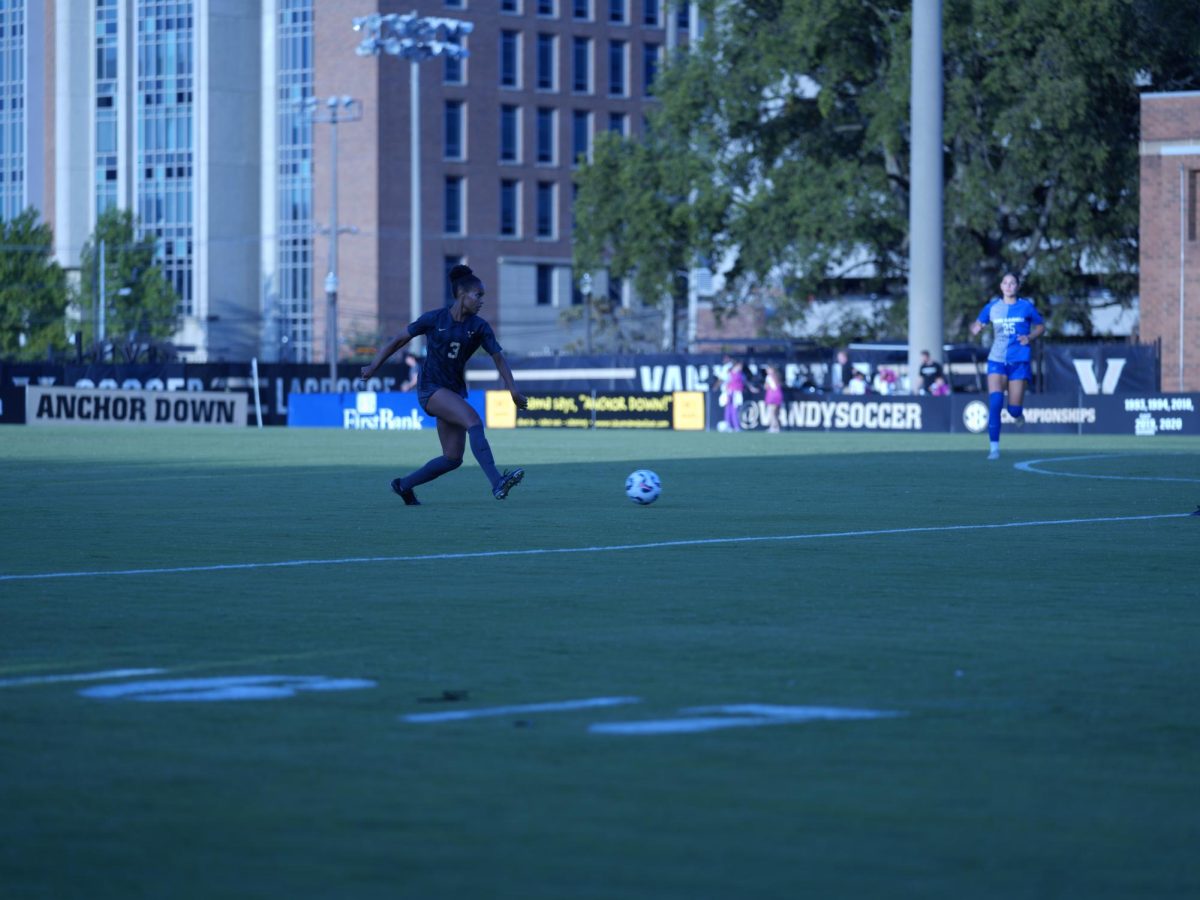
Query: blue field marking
{"points": [[459, 715], [1032, 465], [27, 680], [607, 548]]}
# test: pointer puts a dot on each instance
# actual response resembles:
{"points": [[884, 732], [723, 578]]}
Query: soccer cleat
{"points": [[993, 454], [1019, 421], [406, 494], [508, 481]]}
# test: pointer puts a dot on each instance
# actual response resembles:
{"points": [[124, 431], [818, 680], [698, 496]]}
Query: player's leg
{"points": [[996, 386], [1017, 380], [450, 407], [453, 440]]}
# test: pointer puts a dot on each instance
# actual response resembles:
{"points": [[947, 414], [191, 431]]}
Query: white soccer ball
{"points": [[643, 487]]}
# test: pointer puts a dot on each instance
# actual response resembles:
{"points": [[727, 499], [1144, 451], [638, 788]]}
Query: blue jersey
{"points": [[448, 346], [1009, 322]]}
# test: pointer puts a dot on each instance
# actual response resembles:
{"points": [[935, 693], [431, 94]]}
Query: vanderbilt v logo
{"points": [[1087, 376]]}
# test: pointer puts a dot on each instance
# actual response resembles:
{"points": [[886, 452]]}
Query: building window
{"points": [[510, 6], [617, 123], [545, 285], [683, 18], [650, 13], [546, 7], [581, 10], [456, 4], [581, 65], [510, 59], [616, 11], [510, 133], [448, 263], [545, 134], [545, 209], [616, 68], [454, 129], [545, 62], [454, 204], [510, 207], [616, 291], [581, 136], [453, 70], [651, 53]]}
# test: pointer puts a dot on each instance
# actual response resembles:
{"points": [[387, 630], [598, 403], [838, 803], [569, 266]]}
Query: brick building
{"points": [[1169, 240]]}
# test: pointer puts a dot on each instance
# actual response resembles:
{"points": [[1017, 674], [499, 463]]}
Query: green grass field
{"points": [[1042, 681]]}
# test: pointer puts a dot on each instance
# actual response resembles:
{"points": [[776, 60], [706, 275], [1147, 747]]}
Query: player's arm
{"points": [[384, 353], [1035, 332], [506, 376]]}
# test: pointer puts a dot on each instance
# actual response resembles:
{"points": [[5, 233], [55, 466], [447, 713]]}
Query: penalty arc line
{"points": [[610, 548]]}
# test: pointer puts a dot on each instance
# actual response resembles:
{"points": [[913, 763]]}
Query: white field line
{"points": [[458, 715], [1032, 465], [609, 548], [82, 676]]}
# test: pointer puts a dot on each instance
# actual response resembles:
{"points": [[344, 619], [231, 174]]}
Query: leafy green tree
{"points": [[33, 290], [787, 129], [141, 306]]}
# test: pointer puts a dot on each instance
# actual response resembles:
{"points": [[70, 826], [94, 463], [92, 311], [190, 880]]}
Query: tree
{"points": [[787, 128], [140, 305], [33, 290]]}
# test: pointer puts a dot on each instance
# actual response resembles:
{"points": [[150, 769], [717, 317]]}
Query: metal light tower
{"points": [[336, 110], [414, 38]]}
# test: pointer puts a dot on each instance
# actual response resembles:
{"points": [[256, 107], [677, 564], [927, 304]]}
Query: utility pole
{"points": [[337, 110]]}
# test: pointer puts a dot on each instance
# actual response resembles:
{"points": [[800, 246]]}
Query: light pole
{"points": [[414, 38], [585, 288], [337, 110]]}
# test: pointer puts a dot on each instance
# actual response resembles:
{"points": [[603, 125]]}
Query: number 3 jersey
{"points": [[448, 346], [1009, 322]]}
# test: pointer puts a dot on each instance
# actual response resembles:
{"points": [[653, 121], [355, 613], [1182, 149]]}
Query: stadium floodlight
{"points": [[415, 38], [334, 111]]}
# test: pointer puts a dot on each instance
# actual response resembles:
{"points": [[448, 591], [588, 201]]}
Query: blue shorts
{"points": [[1018, 371]]}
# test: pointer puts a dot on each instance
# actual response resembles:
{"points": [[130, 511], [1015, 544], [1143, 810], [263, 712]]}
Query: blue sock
{"points": [[483, 453], [437, 466], [995, 404], [1015, 411]]}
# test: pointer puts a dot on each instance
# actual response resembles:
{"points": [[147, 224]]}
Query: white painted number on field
{"points": [[234, 687]]}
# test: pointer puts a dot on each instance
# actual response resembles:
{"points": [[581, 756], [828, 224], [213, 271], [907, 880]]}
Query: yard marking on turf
{"points": [[1031, 465], [232, 687], [82, 676], [459, 715], [741, 715], [609, 548]]}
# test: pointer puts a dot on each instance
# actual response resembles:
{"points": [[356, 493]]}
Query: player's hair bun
{"points": [[460, 272]]}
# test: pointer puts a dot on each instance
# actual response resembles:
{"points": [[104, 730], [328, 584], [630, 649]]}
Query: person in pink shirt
{"points": [[731, 396]]}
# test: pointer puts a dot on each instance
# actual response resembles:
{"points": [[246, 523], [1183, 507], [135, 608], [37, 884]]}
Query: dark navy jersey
{"points": [[448, 346]]}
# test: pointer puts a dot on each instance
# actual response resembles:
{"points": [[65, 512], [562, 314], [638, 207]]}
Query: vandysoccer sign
{"points": [[102, 406]]}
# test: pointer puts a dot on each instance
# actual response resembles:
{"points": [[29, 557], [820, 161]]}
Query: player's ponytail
{"points": [[462, 279]]}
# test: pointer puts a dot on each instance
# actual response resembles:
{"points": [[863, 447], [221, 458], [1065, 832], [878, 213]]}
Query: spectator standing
{"points": [[773, 398], [929, 370]]}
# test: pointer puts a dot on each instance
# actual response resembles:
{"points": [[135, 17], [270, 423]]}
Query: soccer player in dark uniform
{"points": [[452, 334]]}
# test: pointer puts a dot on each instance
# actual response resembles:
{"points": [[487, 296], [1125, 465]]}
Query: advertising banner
{"points": [[1145, 414], [593, 409], [97, 406], [802, 411], [1100, 368], [365, 411]]}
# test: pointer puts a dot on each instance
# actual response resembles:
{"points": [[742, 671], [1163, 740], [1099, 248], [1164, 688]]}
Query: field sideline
{"points": [[233, 664]]}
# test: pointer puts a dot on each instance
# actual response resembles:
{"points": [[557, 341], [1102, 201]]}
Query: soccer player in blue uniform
{"points": [[1015, 323], [452, 334]]}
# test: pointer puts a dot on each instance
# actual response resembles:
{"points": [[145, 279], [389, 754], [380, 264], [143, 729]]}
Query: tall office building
{"points": [[197, 115]]}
